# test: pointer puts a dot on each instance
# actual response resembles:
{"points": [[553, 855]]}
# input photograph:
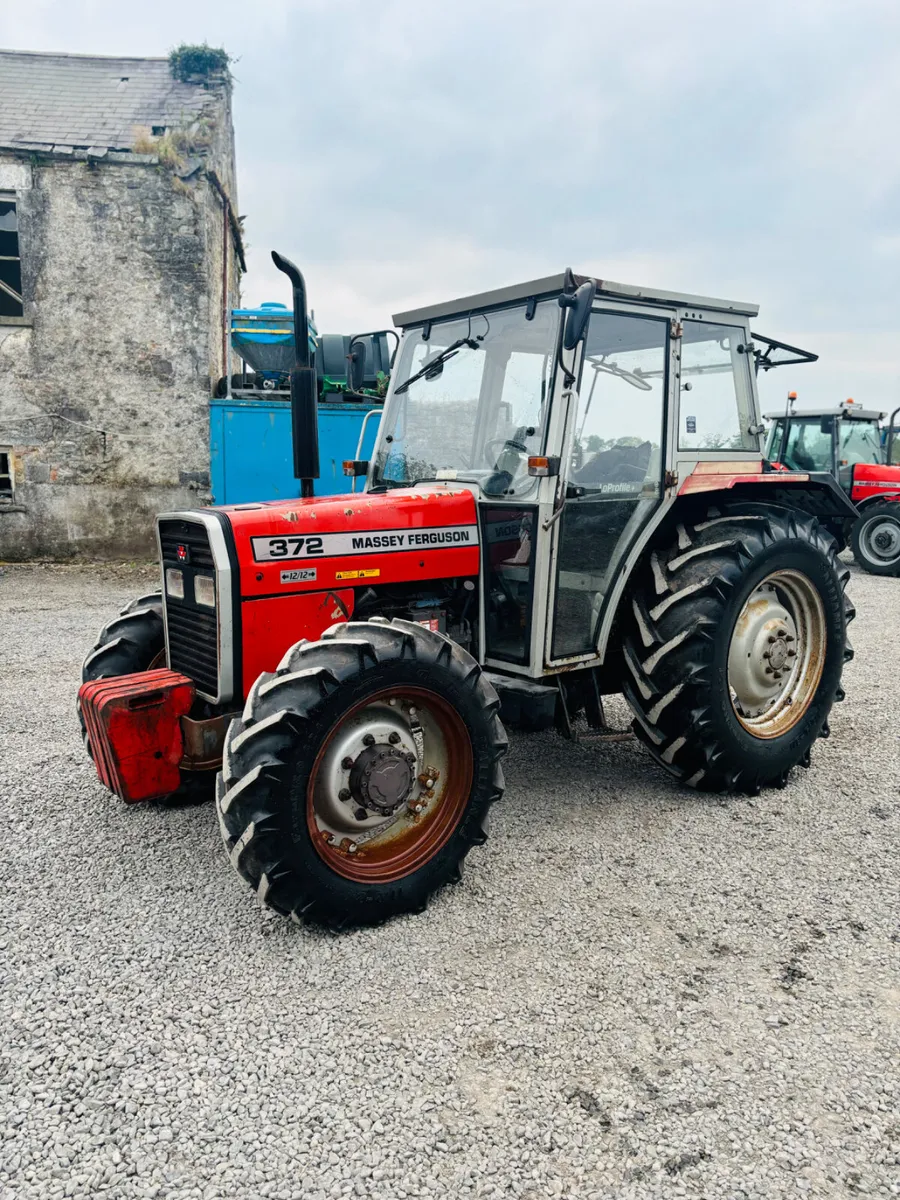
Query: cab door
{"points": [[614, 471]]}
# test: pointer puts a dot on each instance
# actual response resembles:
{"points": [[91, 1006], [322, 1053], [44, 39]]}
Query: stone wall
{"points": [[104, 396]]}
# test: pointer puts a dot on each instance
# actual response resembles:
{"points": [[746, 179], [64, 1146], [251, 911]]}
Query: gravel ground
{"points": [[636, 991]]}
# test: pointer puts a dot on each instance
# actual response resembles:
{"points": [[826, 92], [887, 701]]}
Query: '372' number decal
{"points": [[265, 549]]}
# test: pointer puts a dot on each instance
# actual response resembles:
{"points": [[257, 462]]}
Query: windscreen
{"points": [[479, 411]]}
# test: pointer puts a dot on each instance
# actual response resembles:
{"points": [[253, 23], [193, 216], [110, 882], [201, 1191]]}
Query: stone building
{"points": [[120, 254]]}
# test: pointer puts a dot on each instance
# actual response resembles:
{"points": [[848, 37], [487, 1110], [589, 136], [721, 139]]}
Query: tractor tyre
{"points": [[734, 645], [361, 773], [875, 538], [135, 641]]}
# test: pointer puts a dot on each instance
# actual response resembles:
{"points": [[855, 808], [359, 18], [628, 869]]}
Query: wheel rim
{"points": [[880, 540], [370, 810], [777, 654]]}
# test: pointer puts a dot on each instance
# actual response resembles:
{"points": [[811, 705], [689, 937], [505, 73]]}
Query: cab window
{"points": [[860, 443], [809, 446], [716, 411]]}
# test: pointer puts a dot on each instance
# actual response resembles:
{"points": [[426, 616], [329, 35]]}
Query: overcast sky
{"points": [[411, 150]]}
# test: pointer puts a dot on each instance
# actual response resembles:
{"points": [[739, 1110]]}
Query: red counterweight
{"points": [[134, 726]]}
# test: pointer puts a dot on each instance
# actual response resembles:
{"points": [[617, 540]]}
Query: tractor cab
{"points": [[828, 439], [570, 409]]}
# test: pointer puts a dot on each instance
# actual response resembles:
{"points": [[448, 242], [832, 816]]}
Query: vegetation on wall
{"points": [[195, 64], [175, 146]]}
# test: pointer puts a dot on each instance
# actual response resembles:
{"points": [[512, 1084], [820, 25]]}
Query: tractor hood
{"points": [[304, 545]]}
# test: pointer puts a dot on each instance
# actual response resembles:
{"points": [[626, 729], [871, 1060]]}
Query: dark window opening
{"points": [[157, 130], [6, 479], [11, 304]]}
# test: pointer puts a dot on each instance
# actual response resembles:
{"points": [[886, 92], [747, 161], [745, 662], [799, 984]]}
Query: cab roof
{"points": [[552, 285], [854, 411]]}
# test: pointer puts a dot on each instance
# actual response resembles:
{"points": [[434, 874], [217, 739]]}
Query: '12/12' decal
{"points": [[372, 541]]}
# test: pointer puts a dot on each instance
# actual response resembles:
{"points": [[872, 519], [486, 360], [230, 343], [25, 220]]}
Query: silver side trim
{"points": [[224, 606]]}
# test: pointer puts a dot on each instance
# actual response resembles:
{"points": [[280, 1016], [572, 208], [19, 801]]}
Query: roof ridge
{"points": [[95, 57]]}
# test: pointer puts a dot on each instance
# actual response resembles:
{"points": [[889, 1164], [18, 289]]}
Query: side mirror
{"points": [[578, 306], [356, 366]]}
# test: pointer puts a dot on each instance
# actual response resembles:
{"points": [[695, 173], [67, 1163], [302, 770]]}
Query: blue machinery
{"points": [[250, 415], [250, 448]]}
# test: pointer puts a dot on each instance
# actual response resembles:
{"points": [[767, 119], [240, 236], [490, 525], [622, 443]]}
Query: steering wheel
{"points": [[491, 456]]}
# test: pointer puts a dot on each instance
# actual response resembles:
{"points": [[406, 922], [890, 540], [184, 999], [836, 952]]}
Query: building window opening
{"points": [[10, 264], [6, 478]]}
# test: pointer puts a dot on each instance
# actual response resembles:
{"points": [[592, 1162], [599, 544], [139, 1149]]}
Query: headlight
{"points": [[175, 583], [205, 590]]}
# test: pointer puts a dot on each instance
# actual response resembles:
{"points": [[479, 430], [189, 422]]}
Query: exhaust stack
{"points": [[304, 392]]}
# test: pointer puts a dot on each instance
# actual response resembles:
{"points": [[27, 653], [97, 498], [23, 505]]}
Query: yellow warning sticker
{"points": [[370, 574]]}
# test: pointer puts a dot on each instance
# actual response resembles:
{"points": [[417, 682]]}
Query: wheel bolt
{"points": [[771, 638], [412, 710], [768, 670], [429, 783], [777, 674], [360, 814], [789, 637], [767, 653], [352, 848], [394, 738], [369, 739], [792, 653], [347, 762], [410, 758], [344, 794]]}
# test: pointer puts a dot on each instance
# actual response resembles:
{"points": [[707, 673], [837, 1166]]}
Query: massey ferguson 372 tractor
{"points": [[847, 442], [567, 499]]}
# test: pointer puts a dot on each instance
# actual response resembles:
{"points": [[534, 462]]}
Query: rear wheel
{"points": [[735, 646], [876, 538], [361, 773]]}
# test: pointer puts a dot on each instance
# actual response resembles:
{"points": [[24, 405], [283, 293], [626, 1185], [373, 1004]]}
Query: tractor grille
{"points": [[193, 645], [173, 534], [193, 629]]}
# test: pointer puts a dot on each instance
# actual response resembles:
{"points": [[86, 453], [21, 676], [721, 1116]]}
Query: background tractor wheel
{"points": [[735, 643], [135, 641], [876, 538], [361, 773]]}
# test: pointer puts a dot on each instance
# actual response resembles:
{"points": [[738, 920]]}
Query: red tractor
{"points": [[847, 442], [567, 499]]}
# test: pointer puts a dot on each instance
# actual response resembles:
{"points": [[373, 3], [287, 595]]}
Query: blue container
{"points": [[264, 337], [251, 457]]}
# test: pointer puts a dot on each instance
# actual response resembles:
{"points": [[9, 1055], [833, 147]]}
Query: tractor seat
{"points": [[621, 464]]}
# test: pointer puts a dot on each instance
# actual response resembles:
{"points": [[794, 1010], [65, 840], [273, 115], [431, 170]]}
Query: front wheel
{"points": [[876, 538], [361, 773], [735, 645]]}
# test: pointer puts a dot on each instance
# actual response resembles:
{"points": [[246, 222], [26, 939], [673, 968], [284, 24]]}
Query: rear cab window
{"points": [[716, 410]]}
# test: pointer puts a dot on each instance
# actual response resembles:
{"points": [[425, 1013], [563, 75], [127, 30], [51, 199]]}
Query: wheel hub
{"points": [[368, 772], [763, 648], [389, 784], [382, 778], [885, 540], [776, 655]]}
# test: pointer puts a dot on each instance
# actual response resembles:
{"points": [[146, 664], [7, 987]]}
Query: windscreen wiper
{"points": [[434, 366]]}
